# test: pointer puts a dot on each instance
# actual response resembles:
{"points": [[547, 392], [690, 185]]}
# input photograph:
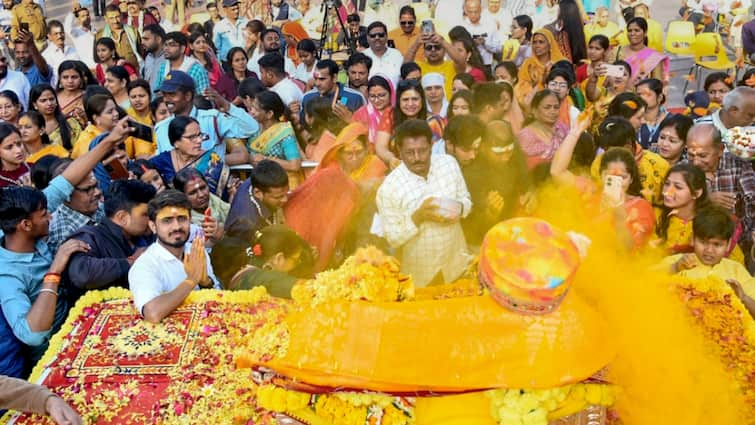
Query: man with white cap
{"points": [[437, 104]]}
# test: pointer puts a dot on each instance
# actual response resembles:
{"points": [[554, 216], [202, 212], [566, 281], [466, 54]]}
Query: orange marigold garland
{"points": [[725, 321]]}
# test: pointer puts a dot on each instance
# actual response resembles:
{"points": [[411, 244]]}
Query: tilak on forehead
{"points": [[172, 212]]}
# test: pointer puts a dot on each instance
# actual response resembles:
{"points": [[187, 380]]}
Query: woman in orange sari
{"points": [[545, 52], [293, 33], [339, 193]]}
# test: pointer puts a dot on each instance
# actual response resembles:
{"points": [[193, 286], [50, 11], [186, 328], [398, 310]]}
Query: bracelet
{"points": [[51, 279], [52, 291], [52, 274]]}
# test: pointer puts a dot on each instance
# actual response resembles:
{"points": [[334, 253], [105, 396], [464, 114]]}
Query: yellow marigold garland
{"points": [[725, 321], [368, 275]]}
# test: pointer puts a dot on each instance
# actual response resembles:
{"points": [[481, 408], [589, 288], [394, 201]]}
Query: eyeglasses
{"points": [[88, 190], [377, 35], [198, 136], [406, 23], [378, 96], [432, 47]]}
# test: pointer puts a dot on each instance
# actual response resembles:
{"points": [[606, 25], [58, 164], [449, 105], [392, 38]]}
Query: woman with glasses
{"points": [[379, 107], [560, 82], [276, 140], [186, 138]]}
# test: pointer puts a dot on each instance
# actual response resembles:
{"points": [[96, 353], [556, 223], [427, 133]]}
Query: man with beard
{"points": [[345, 101], [358, 67], [113, 242], [30, 61], [153, 41], [228, 121], [81, 34], [125, 36], [166, 273], [494, 185], [271, 43], [420, 204], [176, 60], [14, 81]]}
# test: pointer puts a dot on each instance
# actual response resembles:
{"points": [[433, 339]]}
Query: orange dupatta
{"points": [[533, 72]]}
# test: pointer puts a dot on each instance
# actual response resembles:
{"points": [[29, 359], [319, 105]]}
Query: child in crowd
{"points": [[712, 229]]}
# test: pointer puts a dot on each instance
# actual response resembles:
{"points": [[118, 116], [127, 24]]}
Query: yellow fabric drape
{"points": [[395, 347], [533, 72]]}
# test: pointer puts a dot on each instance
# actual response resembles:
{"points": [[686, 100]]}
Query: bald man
{"points": [[483, 29], [731, 180], [737, 110]]}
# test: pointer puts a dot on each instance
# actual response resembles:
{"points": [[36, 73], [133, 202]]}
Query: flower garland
{"points": [[368, 275], [725, 321], [343, 408], [507, 406]]}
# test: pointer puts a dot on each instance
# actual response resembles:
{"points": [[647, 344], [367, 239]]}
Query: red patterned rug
{"points": [[115, 368]]}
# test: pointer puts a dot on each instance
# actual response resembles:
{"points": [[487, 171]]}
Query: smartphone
{"points": [[344, 100], [116, 170], [612, 189], [141, 131], [428, 27], [24, 26], [614, 70]]}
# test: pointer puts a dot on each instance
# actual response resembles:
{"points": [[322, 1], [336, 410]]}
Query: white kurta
{"points": [[430, 247]]}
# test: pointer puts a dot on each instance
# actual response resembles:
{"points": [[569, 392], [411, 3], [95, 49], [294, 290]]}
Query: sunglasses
{"points": [[377, 35], [406, 23], [433, 47]]}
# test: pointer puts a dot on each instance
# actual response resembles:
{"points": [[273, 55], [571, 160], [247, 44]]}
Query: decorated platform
{"points": [[196, 367]]}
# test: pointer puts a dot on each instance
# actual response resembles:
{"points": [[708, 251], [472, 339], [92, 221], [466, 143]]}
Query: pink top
{"points": [[538, 150]]}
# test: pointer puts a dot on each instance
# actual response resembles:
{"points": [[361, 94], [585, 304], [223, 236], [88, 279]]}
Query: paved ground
{"points": [[663, 11]]}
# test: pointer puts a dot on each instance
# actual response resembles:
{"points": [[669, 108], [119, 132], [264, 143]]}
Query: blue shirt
{"points": [[354, 99], [35, 76], [236, 124], [21, 275], [227, 36]]}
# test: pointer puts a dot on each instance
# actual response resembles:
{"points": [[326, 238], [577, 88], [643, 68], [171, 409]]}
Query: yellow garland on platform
{"points": [[368, 275], [507, 406]]}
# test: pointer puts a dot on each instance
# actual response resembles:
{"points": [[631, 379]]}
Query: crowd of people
{"points": [[166, 155]]}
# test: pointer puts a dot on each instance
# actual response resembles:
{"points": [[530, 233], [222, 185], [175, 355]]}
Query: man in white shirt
{"points": [[312, 19], [166, 273], [274, 77], [483, 30], [14, 81], [82, 34], [385, 60], [501, 16], [420, 204], [271, 43], [56, 51]]}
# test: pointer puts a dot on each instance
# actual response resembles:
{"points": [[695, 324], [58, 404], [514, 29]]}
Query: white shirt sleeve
{"points": [[144, 282], [397, 223]]}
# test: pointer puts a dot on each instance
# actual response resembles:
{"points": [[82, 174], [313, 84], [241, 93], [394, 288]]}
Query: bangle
{"points": [[52, 291], [51, 279]]}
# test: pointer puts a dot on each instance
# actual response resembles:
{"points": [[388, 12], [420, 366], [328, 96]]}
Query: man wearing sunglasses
{"points": [[436, 48], [385, 60], [407, 32]]}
